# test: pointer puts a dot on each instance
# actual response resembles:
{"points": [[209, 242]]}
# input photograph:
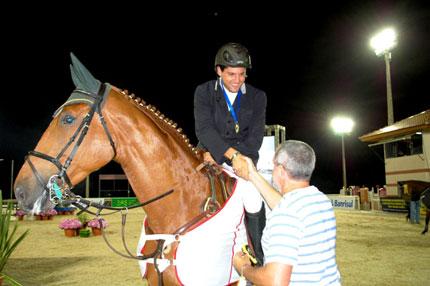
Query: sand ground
{"points": [[373, 248]]}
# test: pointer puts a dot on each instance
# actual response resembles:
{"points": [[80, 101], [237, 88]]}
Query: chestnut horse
{"points": [[100, 123]]}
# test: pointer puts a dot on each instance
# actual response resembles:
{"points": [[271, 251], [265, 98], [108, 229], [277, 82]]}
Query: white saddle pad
{"points": [[204, 255]]}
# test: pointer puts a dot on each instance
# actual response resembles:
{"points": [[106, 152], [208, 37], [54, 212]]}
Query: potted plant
{"points": [[19, 214], [9, 240], [97, 224], [43, 215], [71, 226], [51, 213]]}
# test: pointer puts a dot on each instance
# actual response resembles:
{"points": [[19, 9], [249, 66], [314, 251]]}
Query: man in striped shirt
{"points": [[299, 240]]}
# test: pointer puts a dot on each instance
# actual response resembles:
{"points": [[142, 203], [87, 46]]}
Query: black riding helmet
{"points": [[233, 55]]}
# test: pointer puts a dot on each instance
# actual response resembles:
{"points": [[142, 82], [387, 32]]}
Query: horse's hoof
{"points": [[424, 231]]}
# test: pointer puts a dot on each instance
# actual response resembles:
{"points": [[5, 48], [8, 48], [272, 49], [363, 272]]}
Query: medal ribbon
{"points": [[230, 106]]}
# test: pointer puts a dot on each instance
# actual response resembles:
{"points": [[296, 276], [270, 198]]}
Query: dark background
{"points": [[313, 61]]}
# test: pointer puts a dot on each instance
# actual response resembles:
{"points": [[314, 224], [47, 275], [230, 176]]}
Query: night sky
{"points": [[313, 61]]}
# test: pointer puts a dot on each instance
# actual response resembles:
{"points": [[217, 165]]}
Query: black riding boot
{"points": [[255, 223]]}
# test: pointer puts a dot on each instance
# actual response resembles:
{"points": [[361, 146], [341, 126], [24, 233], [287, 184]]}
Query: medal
{"points": [[236, 127]]}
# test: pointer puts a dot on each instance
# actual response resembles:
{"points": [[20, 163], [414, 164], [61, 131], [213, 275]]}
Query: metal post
{"points": [[11, 179], [390, 113], [343, 164], [87, 187]]}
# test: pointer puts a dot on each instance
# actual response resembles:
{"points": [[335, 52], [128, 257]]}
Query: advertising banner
{"points": [[394, 205], [344, 202]]}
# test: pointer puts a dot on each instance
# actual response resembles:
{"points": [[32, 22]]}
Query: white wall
{"points": [[408, 167]]}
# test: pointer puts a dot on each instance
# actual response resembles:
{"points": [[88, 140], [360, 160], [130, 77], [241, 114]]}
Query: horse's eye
{"points": [[68, 119]]}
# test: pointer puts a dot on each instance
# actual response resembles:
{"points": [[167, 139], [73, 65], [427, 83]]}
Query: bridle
{"points": [[61, 180]]}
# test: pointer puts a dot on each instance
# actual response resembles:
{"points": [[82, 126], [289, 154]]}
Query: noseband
{"points": [[61, 181]]}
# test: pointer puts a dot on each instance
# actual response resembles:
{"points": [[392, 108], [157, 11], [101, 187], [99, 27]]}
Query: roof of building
{"points": [[407, 126]]}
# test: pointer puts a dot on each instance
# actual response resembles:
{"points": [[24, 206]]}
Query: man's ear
{"points": [[218, 71], [283, 175]]}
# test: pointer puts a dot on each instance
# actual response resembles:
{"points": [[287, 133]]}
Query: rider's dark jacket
{"points": [[215, 127]]}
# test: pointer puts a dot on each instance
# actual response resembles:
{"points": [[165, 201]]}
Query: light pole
{"points": [[382, 43], [342, 126]]}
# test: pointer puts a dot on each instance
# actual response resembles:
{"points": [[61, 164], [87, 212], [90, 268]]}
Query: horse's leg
{"points": [[168, 275], [151, 272], [408, 215], [151, 276], [426, 227]]}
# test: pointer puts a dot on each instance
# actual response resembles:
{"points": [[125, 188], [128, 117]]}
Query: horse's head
{"points": [[76, 134]]}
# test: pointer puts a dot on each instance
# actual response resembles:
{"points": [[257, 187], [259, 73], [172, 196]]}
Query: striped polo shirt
{"points": [[301, 231]]}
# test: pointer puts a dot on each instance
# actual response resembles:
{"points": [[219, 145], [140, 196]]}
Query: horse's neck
{"points": [[155, 163]]}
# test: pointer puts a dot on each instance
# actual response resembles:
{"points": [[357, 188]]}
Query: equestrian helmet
{"points": [[233, 55]]}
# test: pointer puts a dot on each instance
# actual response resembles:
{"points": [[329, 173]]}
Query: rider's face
{"points": [[232, 77]]}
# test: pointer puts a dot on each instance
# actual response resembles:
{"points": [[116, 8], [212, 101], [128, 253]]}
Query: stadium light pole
{"points": [[382, 43], [342, 126]]}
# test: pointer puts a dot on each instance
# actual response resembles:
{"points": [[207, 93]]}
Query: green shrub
{"points": [[9, 239], [83, 218]]}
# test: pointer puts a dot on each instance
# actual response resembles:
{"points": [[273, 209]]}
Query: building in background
{"points": [[406, 150]]}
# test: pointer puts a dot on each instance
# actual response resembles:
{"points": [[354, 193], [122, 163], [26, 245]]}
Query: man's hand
{"points": [[240, 260], [244, 167], [240, 166], [250, 165]]}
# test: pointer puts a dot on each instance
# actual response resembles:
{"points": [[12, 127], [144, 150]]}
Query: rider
{"points": [[230, 119]]}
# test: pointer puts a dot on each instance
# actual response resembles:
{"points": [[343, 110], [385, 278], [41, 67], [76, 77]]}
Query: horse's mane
{"points": [[83, 79], [166, 125]]}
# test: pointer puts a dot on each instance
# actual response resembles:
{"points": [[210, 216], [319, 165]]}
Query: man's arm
{"points": [[272, 273], [205, 128], [270, 195]]}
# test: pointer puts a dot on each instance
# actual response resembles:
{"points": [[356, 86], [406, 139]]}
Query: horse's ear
{"points": [[81, 77]]}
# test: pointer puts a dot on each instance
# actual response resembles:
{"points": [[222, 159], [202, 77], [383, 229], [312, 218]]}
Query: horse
{"points": [[425, 197], [416, 191], [99, 123]]}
